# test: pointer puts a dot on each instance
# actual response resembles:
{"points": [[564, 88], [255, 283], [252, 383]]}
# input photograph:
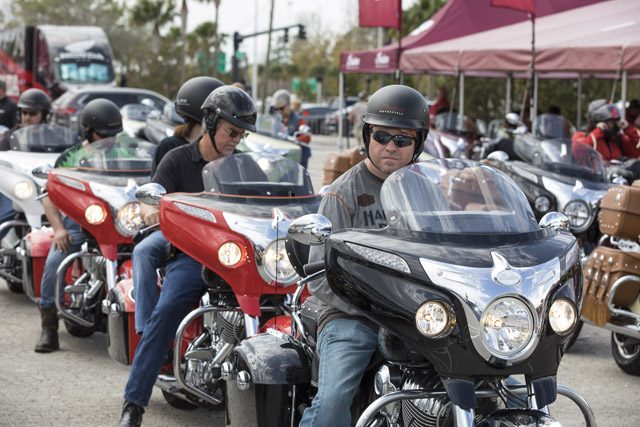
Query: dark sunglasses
{"points": [[235, 133], [31, 113], [280, 108], [383, 138]]}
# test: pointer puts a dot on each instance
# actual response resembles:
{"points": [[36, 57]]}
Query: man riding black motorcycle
{"points": [[100, 119], [151, 253], [396, 124], [228, 112]]}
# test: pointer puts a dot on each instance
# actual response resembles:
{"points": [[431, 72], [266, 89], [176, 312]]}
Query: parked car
{"points": [[314, 115], [331, 121], [161, 124], [66, 109]]}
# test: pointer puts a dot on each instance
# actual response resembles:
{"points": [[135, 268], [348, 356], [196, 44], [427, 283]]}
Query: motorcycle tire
{"points": [[15, 287], [574, 335], [263, 405], [627, 357], [177, 402], [77, 330]]}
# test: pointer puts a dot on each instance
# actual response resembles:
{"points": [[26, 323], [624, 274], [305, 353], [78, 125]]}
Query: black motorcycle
{"points": [[467, 289]]}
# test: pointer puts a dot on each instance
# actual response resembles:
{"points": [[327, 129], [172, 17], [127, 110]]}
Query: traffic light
{"points": [[302, 35], [237, 39], [286, 35]]}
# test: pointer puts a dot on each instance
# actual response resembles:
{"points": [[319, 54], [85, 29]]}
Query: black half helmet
{"points": [[103, 117], [35, 99], [192, 94], [232, 104], [398, 106]]}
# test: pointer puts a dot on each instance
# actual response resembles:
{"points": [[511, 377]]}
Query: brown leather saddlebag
{"points": [[620, 212], [338, 163], [603, 268]]}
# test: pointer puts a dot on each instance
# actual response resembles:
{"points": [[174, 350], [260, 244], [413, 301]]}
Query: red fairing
{"points": [[201, 239], [38, 244], [73, 202], [125, 270], [279, 323], [125, 287]]}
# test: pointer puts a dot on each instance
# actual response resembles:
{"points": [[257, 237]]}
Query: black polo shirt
{"points": [[180, 170]]}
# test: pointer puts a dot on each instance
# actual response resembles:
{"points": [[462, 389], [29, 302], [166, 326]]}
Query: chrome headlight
{"points": [[129, 220], [276, 263], [579, 215], [542, 204], [435, 319], [562, 316], [507, 327], [23, 190]]}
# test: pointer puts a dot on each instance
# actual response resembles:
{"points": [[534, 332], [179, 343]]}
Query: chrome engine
{"points": [[430, 412]]}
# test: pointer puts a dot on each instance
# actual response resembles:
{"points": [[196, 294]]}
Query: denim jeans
{"points": [[54, 259], [148, 256], [304, 156], [182, 287], [6, 212], [345, 347]]}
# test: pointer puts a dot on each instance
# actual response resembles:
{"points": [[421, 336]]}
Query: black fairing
{"points": [[390, 298]]}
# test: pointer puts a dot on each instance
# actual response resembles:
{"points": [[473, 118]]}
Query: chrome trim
{"points": [[111, 269], [632, 331], [196, 212], [251, 325], [581, 402], [463, 417], [11, 224], [612, 293], [73, 183], [565, 193], [60, 272], [475, 288]]}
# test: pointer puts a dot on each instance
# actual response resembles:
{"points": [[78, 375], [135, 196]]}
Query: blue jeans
{"points": [[345, 347], [6, 212], [182, 288], [54, 259], [148, 256], [304, 156]]}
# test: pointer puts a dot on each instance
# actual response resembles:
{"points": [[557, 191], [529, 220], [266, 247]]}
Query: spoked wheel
{"points": [[626, 353], [77, 330]]}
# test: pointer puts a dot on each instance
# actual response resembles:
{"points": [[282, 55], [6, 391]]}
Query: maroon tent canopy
{"points": [[601, 39], [456, 19]]}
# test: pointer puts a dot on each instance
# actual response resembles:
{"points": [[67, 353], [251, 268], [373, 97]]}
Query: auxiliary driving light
{"points": [[435, 319], [23, 190], [230, 254], [562, 316], [95, 214]]}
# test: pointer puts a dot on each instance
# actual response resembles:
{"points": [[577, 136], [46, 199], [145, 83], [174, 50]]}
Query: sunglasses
{"points": [[31, 113], [233, 134], [401, 141], [280, 108]]}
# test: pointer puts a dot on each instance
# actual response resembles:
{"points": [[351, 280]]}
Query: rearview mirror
{"points": [[42, 171], [312, 229], [150, 194]]}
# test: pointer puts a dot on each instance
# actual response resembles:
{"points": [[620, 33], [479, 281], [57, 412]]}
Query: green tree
{"points": [[154, 13], [217, 41]]}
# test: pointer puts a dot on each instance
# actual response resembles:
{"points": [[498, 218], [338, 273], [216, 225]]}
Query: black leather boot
{"points": [[131, 415], [49, 337]]}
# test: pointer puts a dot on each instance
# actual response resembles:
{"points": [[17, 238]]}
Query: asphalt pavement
{"points": [[82, 386]]}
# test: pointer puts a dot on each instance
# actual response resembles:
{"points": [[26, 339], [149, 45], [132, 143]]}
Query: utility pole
{"points": [[266, 65]]}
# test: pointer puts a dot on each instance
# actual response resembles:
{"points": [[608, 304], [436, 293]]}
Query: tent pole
{"points": [[623, 91], [461, 99], [507, 106], [340, 107], [534, 107], [579, 103]]}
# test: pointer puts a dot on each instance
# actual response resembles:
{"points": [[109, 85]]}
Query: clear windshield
{"points": [[42, 138], [552, 126], [451, 196], [119, 156], [562, 157], [455, 123], [256, 174]]}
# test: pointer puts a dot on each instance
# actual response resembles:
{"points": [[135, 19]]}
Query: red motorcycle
{"points": [[236, 229], [96, 190]]}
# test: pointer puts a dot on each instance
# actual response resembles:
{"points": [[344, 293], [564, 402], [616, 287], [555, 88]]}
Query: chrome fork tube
{"points": [[463, 417], [251, 325], [60, 272], [111, 268]]}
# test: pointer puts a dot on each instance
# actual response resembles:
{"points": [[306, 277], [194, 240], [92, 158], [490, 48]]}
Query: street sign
{"points": [[222, 62]]}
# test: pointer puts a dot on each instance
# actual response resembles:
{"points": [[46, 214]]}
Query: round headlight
{"points": [[95, 214], [542, 204], [276, 263], [578, 213], [507, 327], [23, 190], [129, 220], [230, 254], [434, 319], [562, 316]]}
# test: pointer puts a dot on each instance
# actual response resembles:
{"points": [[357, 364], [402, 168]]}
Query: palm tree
{"points": [[216, 42], [158, 13]]}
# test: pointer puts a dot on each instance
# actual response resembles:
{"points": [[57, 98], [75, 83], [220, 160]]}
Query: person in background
{"points": [[289, 126], [441, 105], [8, 108], [355, 117], [632, 113]]}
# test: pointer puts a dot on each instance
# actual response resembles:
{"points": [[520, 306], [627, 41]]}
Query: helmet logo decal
{"points": [[392, 109]]}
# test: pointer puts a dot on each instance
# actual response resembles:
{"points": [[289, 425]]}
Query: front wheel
{"points": [[77, 330], [15, 287], [626, 353]]}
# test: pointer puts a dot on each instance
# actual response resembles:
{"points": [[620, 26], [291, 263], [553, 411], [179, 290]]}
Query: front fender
{"points": [[272, 358]]}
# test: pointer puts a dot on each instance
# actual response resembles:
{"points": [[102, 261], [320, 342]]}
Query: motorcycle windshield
{"points": [[257, 174], [42, 138], [450, 196], [462, 125], [575, 160], [552, 126], [110, 159]]}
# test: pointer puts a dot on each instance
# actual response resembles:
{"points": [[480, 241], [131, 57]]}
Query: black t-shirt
{"points": [[181, 170], [8, 113], [164, 147]]}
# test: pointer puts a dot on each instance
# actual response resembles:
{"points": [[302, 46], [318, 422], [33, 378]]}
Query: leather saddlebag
{"points": [[620, 212], [603, 268], [338, 163]]}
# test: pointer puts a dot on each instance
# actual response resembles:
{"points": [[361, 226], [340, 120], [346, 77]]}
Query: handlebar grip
{"points": [[313, 267]]}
